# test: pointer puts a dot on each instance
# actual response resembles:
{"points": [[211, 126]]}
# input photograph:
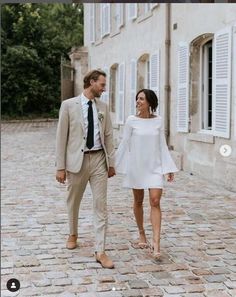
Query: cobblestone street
{"points": [[198, 231]]}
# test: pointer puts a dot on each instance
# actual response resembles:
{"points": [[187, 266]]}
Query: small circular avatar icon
{"points": [[13, 285]]}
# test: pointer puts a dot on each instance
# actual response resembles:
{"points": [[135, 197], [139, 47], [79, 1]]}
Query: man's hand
{"points": [[61, 176], [111, 172], [170, 177]]}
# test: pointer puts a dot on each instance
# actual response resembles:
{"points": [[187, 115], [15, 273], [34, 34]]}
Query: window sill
{"points": [[201, 137], [98, 42], [155, 6], [133, 19], [142, 18], [114, 33]]}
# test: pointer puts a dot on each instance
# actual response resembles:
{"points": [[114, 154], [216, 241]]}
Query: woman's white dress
{"points": [[143, 155]]}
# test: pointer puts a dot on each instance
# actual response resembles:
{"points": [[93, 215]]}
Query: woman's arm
{"points": [[168, 165]]}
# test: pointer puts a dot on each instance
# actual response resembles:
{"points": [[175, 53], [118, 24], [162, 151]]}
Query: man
{"points": [[85, 152]]}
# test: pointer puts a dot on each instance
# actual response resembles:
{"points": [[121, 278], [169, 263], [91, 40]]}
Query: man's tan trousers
{"points": [[93, 170]]}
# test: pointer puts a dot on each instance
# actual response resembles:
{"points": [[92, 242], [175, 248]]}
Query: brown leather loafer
{"points": [[71, 242], [104, 260]]}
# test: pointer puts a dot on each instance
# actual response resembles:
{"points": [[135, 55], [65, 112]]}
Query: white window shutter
{"points": [[105, 16], [105, 95], [132, 11], [155, 76], [222, 52], [119, 15], [120, 116], [103, 19], [234, 77], [121, 23], [183, 88], [147, 7], [133, 87], [92, 22]]}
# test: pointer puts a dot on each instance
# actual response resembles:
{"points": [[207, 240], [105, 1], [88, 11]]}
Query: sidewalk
{"points": [[198, 231]]}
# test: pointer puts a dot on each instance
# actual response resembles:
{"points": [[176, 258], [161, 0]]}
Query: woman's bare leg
{"points": [[138, 213], [155, 216]]}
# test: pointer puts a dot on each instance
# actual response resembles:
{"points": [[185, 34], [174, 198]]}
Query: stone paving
{"points": [[198, 231]]}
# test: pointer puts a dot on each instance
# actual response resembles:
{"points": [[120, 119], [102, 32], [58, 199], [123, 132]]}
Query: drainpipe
{"points": [[167, 71]]}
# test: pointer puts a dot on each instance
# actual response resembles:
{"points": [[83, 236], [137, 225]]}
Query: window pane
{"points": [[207, 86]]}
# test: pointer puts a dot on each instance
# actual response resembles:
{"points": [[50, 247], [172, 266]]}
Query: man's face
{"points": [[98, 86]]}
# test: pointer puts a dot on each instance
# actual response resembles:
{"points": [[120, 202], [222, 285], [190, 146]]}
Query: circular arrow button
{"points": [[225, 150]]}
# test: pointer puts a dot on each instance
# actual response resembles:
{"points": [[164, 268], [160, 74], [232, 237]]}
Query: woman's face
{"points": [[142, 103]]}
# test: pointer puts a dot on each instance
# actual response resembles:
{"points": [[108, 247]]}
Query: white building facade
{"points": [[186, 53]]}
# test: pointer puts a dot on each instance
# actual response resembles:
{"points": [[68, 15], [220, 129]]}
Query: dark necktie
{"points": [[90, 135]]}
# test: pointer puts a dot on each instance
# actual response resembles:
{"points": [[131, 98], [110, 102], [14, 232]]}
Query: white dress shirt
{"points": [[97, 139]]}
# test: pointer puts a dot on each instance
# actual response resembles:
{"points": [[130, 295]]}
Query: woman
{"points": [[144, 158]]}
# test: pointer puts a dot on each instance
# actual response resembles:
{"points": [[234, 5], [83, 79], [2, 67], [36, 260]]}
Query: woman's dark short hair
{"points": [[151, 98], [93, 74]]}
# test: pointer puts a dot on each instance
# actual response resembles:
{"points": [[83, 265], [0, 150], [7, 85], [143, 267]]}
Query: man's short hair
{"points": [[93, 74]]}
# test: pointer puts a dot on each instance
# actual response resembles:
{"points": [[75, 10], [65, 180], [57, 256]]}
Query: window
{"points": [[120, 108], [143, 69], [92, 22], [203, 105], [113, 87], [97, 21], [105, 95], [105, 18], [133, 86], [206, 99], [119, 15], [154, 76], [147, 7], [132, 11], [148, 74]]}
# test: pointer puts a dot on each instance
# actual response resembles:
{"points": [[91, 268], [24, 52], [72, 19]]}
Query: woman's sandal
{"points": [[143, 245], [157, 256]]}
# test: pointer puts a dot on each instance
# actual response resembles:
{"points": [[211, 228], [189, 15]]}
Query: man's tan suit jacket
{"points": [[71, 137]]}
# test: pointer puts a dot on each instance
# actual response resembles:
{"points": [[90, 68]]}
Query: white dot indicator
{"points": [[225, 150], [113, 288]]}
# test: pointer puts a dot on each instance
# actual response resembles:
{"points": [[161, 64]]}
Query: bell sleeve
{"points": [[168, 165], [122, 153]]}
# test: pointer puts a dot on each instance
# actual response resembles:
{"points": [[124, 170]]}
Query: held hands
{"points": [[111, 172], [170, 177], [61, 176]]}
